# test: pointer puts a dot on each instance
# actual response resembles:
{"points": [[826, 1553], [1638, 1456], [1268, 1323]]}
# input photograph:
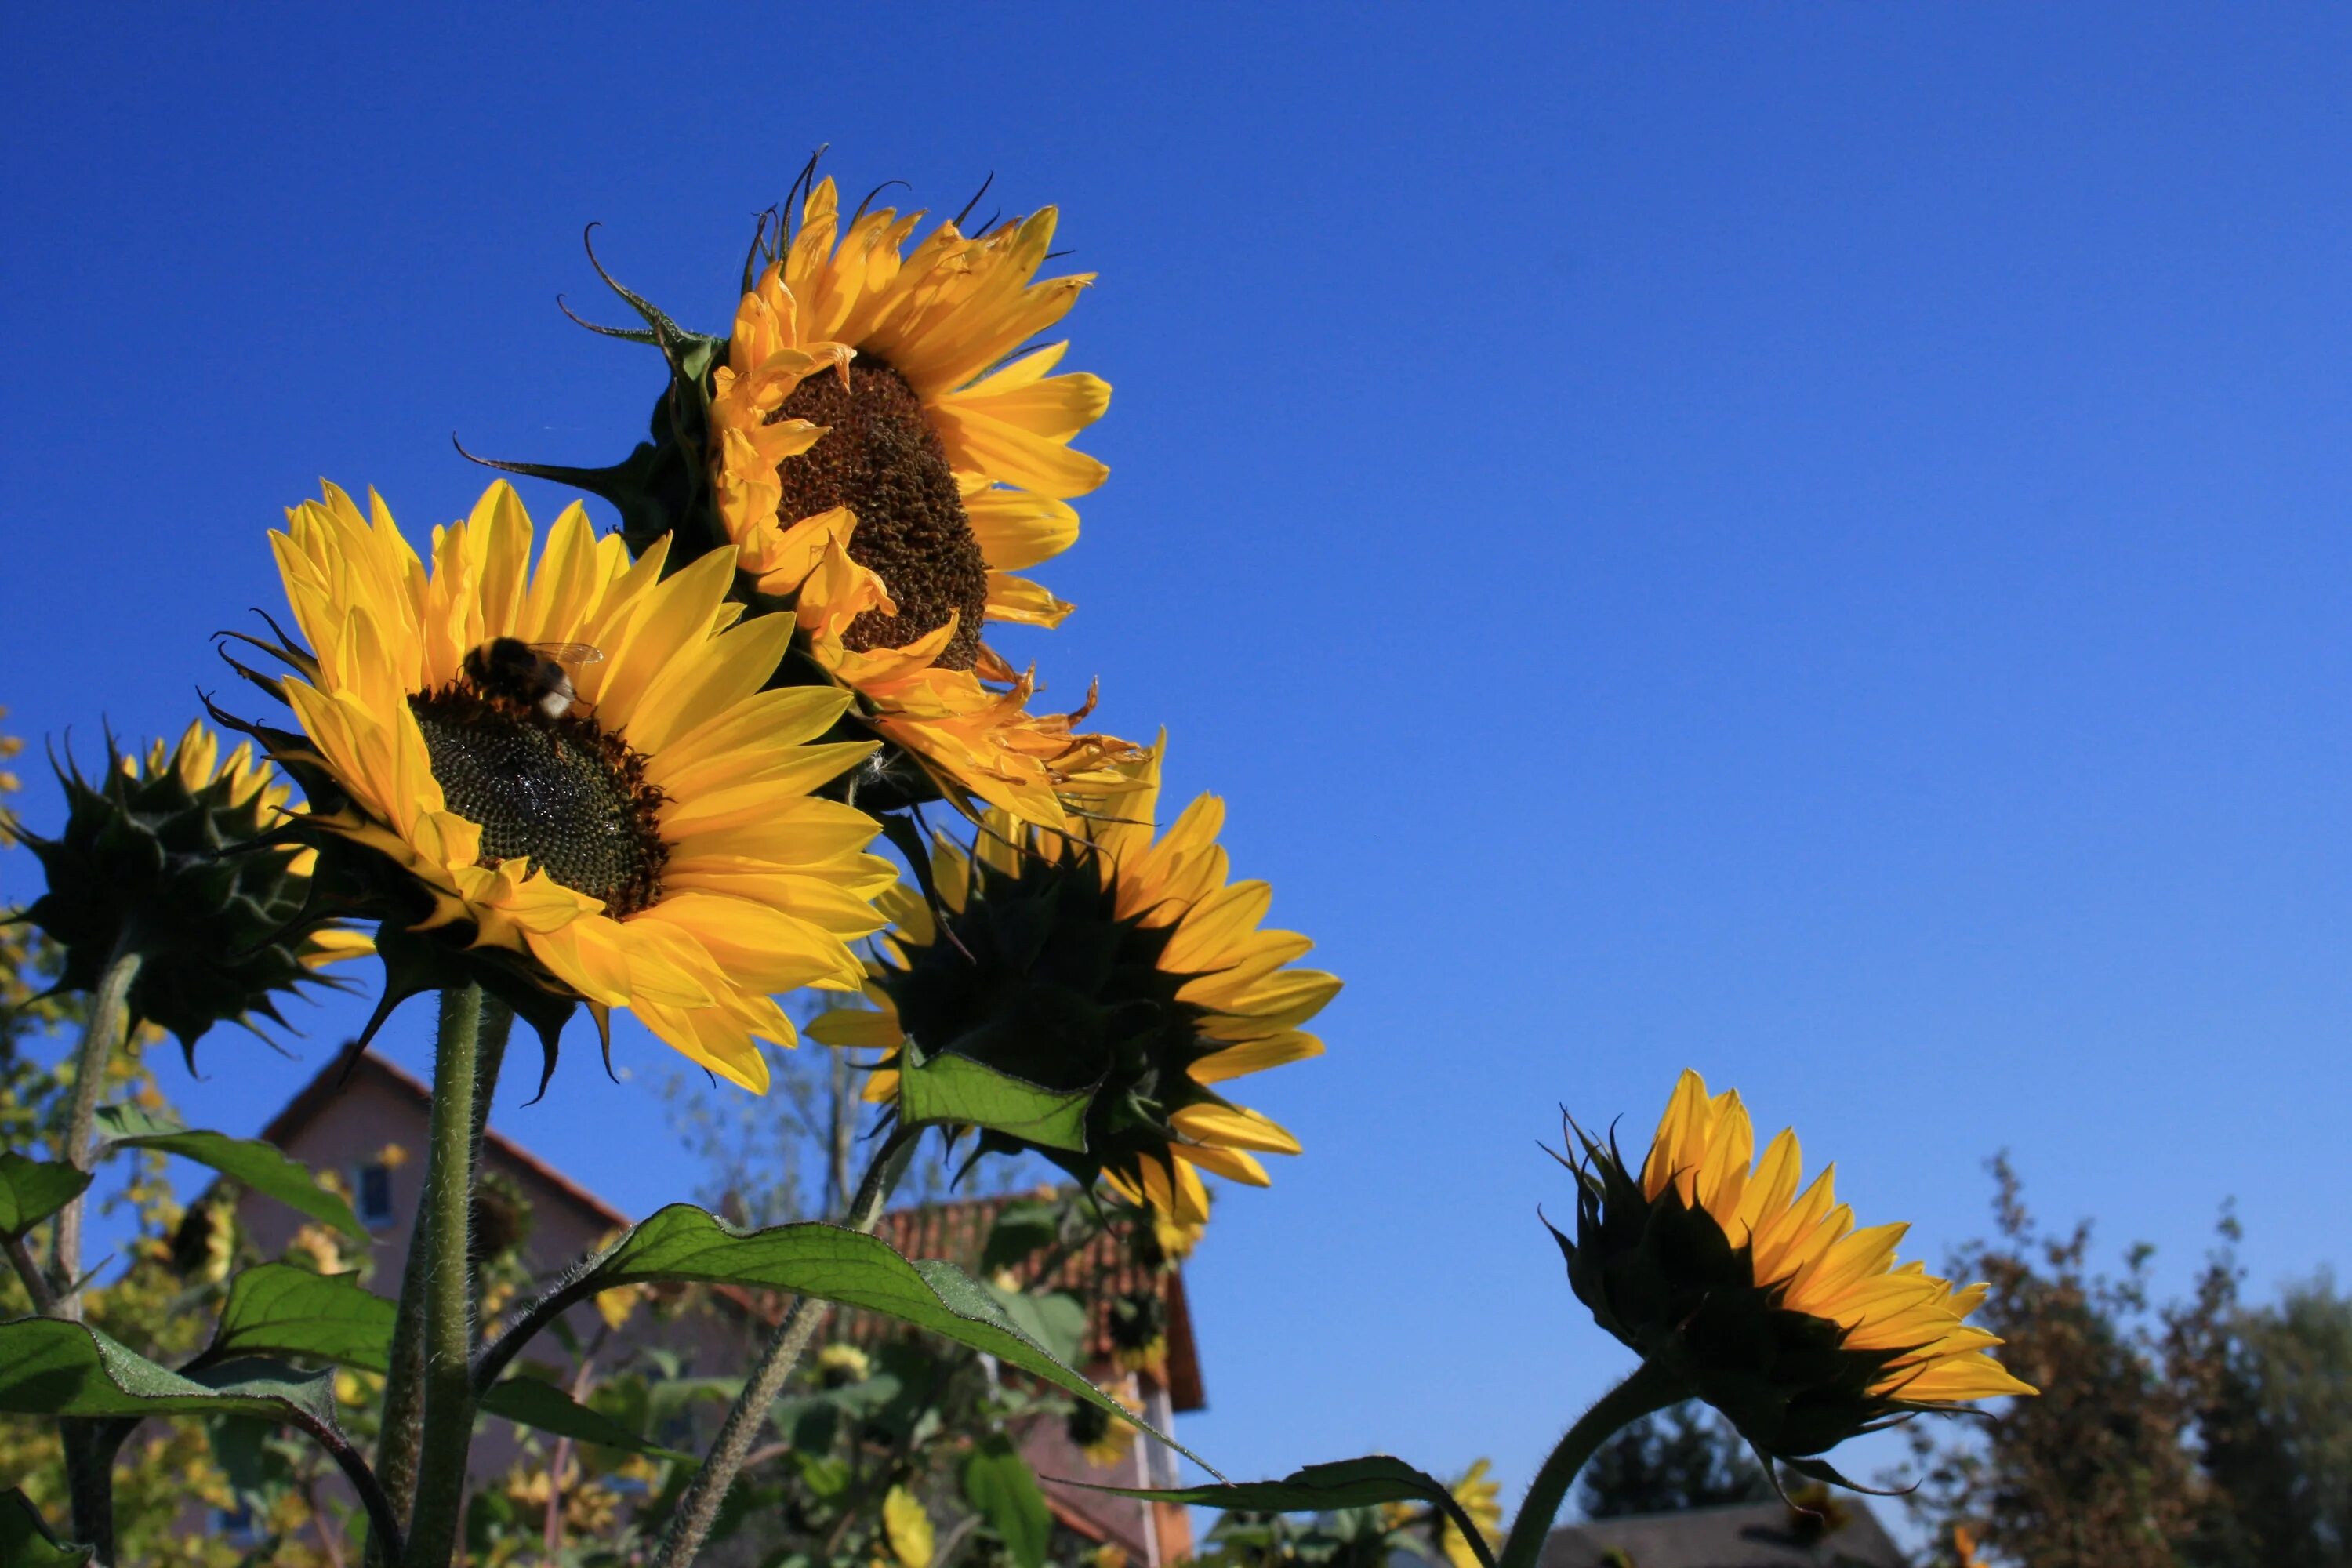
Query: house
{"points": [[1845, 1534], [368, 1125]]}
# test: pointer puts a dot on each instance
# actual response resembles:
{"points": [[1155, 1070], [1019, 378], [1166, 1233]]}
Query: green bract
{"points": [[1040, 979]]}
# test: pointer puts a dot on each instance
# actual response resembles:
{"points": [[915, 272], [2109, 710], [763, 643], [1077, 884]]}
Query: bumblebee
{"points": [[531, 675]]}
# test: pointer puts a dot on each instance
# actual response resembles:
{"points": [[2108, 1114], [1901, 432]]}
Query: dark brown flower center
{"points": [[561, 792], [881, 458]]}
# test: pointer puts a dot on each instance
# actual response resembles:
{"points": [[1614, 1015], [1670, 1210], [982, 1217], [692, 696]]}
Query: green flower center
{"points": [[880, 458], [560, 792]]}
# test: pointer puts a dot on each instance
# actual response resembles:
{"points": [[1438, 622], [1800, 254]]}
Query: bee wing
{"points": [[569, 652]]}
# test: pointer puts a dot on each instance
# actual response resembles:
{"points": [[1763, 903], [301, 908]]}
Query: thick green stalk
{"points": [[699, 1507], [1652, 1387], [490, 1053], [403, 1396], [404, 1392], [90, 1486], [447, 1215], [89, 1459], [109, 1027]]}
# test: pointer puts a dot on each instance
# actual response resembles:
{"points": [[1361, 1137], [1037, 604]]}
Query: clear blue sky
{"points": [[1808, 542]]}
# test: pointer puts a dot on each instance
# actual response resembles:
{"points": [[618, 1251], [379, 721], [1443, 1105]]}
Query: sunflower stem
{"points": [[447, 1298], [89, 1460], [109, 1027], [404, 1398], [489, 1056], [699, 1506], [1651, 1388], [404, 1393]]}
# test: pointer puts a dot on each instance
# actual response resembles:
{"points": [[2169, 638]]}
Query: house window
{"points": [[375, 1188], [237, 1526]]}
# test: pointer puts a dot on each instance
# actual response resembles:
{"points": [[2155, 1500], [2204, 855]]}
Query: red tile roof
{"points": [[957, 1231]]}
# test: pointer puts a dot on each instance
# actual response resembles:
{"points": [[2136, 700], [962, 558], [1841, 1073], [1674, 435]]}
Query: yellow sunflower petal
{"points": [[667, 721]]}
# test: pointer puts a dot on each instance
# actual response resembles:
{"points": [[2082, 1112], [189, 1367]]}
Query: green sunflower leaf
{"points": [[260, 1167], [1056, 1319], [959, 1092], [681, 1244], [33, 1190], [1023, 1227], [1343, 1483], [282, 1310], [529, 1401], [49, 1367], [998, 1482], [26, 1541]]}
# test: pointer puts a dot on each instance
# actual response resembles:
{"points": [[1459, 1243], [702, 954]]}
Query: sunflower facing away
{"points": [[576, 767], [877, 458], [1479, 1495], [1126, 967], [1800, 1328], [170, 857], [248, 784]]}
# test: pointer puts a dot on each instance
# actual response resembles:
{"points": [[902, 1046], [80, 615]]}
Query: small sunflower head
{"points": [[1093, 1432], [176, 855], [1139, 1331], [839, 1365], [1480, 1495], [1765, 1301]]}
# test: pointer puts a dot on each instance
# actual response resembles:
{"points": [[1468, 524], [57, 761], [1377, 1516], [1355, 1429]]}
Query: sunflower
{"points": [[1124, 967], [1139, 1331], [879, 456], [1480, 1495], [576, 769], [1477, 1492], [1106, 1442], [248, 784], [172, 856], [1765, 1299]]}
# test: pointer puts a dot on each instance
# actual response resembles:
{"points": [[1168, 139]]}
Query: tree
{"points": [[2275, 1436], [788, 1156], [2205, 1434], [1684, 1457], [2098, 1471]]}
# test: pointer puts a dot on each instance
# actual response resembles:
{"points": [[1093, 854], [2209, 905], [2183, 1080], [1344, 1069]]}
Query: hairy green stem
{"points": [[447, 1215], [37, 1279], [404, 1392], [89, 1459], [489, 1056], [699, 1507], [404, 1398], [1652, 1387], [90, 1487], [109, 1027]]}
